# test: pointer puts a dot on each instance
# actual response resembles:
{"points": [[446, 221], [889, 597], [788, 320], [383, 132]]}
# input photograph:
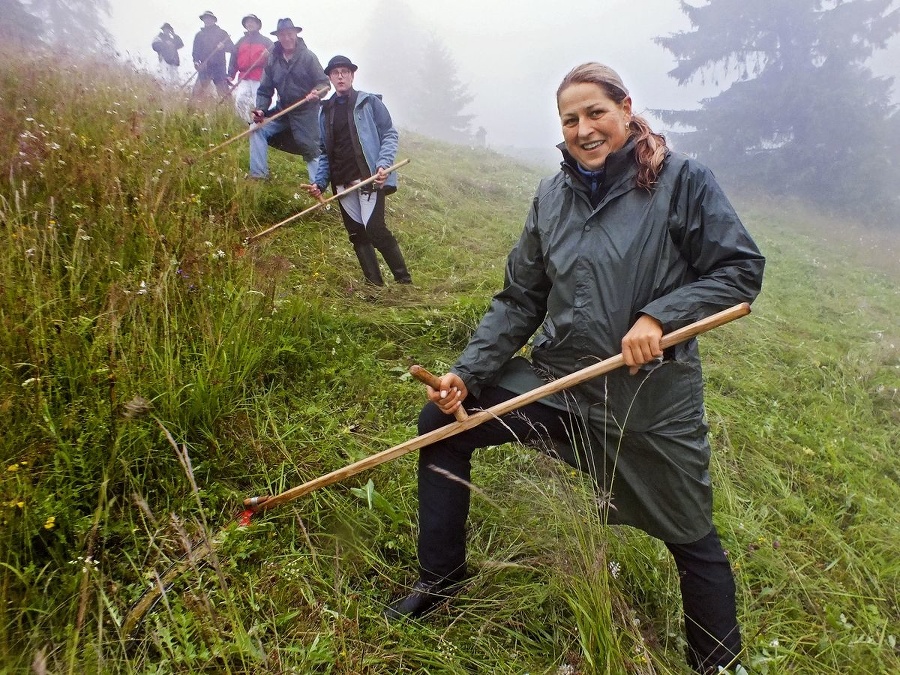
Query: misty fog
{"points": [[510, 55]]}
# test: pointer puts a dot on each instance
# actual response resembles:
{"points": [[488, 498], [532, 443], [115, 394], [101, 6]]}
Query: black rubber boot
{"points": [[390, 251], [365, 253]]}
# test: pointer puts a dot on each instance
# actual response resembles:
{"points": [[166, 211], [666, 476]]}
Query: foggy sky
{"points": [[510, 53]]}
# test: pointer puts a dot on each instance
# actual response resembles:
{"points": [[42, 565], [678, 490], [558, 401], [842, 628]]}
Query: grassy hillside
{"points": [[155, 371]]}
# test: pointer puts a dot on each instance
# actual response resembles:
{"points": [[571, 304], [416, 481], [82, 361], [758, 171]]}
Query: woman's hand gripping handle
{"points": [[446, 392]]}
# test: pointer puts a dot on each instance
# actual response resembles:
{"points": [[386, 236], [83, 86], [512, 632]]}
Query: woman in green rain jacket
{"points": [[627, 242]]}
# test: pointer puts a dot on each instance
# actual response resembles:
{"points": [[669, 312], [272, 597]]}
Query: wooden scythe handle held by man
{"points": [[202, 64], [243, 75], [323, 202], [313, 95]]}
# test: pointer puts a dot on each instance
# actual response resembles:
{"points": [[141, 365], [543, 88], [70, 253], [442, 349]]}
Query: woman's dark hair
{"points": [[650, 148]]}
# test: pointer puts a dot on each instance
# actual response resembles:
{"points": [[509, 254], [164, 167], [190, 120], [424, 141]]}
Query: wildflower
{"points": [[296, 195], [12, 468], [614, 569], [143, 288], [208, 244], [29, 253], [219, 254], [50, 523], [86, 237], [30, 381]]}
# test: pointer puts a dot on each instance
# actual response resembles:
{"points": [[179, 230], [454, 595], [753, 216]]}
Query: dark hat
{"points": [[166, 26], [285, 24], [340, 62], [207, 13], [251, 16]]}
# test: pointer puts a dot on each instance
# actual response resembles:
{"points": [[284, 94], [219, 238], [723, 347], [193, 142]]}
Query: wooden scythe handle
{"points": [[434, 382], [254, 127], [681, 335], [322, 202]]}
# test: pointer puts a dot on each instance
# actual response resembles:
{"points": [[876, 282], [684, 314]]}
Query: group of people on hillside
{"points": [[628, 241], [278, 88]]}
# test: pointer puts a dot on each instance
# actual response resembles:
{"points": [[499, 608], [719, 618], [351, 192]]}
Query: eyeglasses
{"points": [[341, 72]]}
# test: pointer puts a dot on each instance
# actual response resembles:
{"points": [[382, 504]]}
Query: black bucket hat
{"points": [[340, 61], [250, 16], [285, 24]]}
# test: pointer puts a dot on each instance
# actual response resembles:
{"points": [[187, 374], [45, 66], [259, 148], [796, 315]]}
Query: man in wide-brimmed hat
{"points": [[295, 73], [247, 62], [211, 44], [166, 45], [359, 141]]}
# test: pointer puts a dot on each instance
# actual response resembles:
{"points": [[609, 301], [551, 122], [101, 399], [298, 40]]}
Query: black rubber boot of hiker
{"points": [[392, 255], [368, 261]]}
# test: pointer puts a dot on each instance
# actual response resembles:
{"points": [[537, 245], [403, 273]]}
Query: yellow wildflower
{"points": [[51, 523]]}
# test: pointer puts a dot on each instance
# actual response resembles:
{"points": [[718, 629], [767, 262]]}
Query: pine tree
{"points": [[73, 24], [418, 77], [438, 110], [801, 114], [18, 25]]}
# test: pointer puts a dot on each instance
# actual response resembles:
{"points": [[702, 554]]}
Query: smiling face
{"points": [[287, 39], [593, 124]]}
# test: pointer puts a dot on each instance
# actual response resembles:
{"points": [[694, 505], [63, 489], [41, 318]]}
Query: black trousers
{"points": [[375, 235], [706, 580]]}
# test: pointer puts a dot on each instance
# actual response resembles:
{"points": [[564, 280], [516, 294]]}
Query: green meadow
{"points": [[155, 371]]}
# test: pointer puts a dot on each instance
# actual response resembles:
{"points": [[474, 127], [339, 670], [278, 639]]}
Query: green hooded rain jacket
{"points": [[580, 276]]}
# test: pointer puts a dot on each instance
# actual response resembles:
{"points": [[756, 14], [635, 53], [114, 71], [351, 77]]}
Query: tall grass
{"points": [[155, 371]]}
